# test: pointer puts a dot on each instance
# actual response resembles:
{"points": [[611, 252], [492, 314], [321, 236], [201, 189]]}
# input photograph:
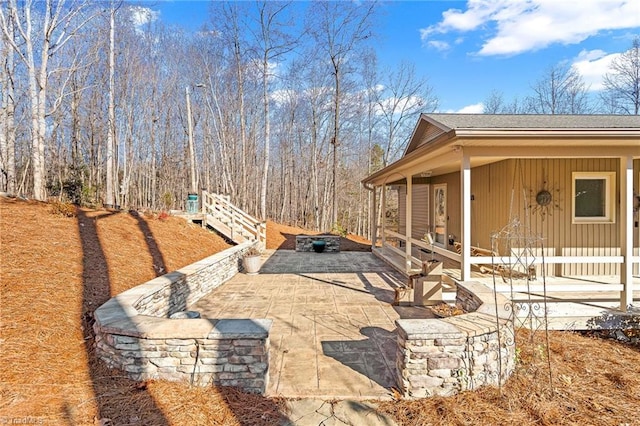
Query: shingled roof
{"points": [[532, 121]]}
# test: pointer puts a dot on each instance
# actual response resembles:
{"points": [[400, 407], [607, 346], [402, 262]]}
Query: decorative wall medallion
{"points": [[546, 200]]}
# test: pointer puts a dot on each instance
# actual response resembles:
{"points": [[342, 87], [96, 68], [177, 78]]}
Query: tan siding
{"points": [[490, 188], [636, 218], [420, 211], [430, 133], [512, 185], [508, 188], [402, 216]]}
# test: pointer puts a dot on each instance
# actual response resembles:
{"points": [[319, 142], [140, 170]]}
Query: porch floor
{"points": [[572, 303]]}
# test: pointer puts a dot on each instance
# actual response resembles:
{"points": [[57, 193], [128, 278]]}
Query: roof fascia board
{"points": [[437, 143], [552, 151], [597, 133]]}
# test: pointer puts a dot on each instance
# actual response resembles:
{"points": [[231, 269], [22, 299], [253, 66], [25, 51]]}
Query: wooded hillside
{"points": [[280, 105]]}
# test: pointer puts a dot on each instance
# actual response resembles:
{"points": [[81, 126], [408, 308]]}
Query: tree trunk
{"points": [[335, 141], [267, 135], [111, 128], [7, 121]]}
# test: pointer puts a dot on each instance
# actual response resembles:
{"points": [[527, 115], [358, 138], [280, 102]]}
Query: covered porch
{"points": [[464, 179], [572, 303]]}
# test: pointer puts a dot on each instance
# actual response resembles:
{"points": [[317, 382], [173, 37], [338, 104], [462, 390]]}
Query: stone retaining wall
{"points": [[449, 355], [133, 331], [305, 242]]}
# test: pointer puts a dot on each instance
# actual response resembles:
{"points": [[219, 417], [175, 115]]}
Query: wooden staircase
{"points": [[219, 213]]}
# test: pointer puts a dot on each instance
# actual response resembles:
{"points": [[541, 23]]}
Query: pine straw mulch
{"points": [[56, 270], [283, 237], [594, 382]]}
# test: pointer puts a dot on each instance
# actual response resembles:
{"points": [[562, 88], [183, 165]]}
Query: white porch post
{"points": [[408, 218], [383, 213], [374, 218], [626, 231], [465, 214]]}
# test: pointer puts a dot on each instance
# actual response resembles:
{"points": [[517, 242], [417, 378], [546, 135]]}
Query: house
{"points": [[467, 183]]}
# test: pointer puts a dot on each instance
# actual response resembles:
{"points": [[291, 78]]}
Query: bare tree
{"points": [[622, 84], [273, 43], [495, 104], [7, 111], [402, 97], [37, 40], [561, 90], [339, 28], [111, 128]]}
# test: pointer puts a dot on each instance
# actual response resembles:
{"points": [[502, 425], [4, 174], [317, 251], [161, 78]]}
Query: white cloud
{"points": [[141, 16], [521, 26], [472, 109], [439, 45], [592, 66]]}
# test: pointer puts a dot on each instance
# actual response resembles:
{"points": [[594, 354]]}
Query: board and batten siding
{"points": [[402, 210], [508, 189], [430, 134], [420, 210]]}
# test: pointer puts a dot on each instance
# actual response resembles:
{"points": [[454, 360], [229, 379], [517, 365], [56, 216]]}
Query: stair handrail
{"points": [[219, 205]]}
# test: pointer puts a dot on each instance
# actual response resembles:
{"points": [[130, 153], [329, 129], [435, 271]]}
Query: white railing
{"points": [[484, 260], [237, 220]]}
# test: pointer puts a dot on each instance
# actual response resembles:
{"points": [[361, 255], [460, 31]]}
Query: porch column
{"points": [[383, 213], [465, 215], [374, 218], [407, 229], [626, 231]]}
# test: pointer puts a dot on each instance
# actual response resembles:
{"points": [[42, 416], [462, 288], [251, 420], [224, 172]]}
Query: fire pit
{"points": [[319, 243]]}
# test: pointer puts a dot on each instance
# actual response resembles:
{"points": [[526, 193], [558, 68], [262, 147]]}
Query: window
{"points": [[593, 197]]}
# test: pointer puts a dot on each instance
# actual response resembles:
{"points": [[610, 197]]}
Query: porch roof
{"points": [[438, 140]]}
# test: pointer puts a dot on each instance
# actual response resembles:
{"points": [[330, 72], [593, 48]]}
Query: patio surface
{"points": [[333, 333]]}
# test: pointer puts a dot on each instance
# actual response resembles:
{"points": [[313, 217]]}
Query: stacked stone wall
{"points": [[305, 242], [239, 358], [175, 291], [449, 355], [133, 331]]}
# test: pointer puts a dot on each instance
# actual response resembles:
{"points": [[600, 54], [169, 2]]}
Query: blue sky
{"points": [[469, 48]]}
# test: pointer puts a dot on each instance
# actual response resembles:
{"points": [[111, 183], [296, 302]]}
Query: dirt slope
{"points": [[283, 237]]}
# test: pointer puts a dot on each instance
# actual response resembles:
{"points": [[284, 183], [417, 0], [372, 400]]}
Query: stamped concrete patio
{"points": [[333, 333]]}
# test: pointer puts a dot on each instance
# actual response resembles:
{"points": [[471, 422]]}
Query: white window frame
{"points": [[610, 190]]}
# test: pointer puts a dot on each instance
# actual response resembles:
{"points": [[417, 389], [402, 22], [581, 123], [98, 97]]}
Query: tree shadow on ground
{"points": [[141, 406], [373, 357], [159, 265]]}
